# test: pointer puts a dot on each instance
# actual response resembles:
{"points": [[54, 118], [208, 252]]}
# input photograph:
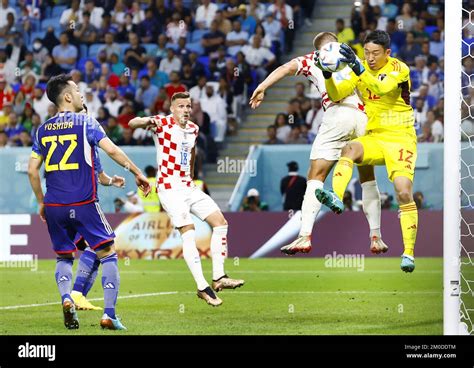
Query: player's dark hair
{"points": [[56, 87], [378, 37], [180, 95], [322, 37]]}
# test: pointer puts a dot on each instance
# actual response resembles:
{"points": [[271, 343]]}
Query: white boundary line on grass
{"points": [[239, 292], [329, 270]]}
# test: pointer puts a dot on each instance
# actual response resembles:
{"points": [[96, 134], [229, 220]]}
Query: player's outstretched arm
{"points": [[145, 122], [34, 166], [288, 69], [116, 154], [107, 181]]}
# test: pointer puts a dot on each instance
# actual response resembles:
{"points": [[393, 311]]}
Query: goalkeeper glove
{"points": [[326, 74], [351, 59]]}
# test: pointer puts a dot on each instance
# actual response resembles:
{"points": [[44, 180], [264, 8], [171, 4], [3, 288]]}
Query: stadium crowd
{"points": [[129, 57], [417, 34]]}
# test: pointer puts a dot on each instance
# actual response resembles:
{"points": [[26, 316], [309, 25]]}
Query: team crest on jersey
{"points": [[382, 76]]}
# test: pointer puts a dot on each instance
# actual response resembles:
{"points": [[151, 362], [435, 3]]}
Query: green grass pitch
{"points": [[288, 296]]}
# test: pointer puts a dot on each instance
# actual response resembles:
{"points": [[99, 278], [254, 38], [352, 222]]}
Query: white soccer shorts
{"points": [[181, 203], [340, 125]]}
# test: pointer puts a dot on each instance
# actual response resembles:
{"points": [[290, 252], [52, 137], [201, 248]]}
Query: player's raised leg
{"points": [[220, 280], [371, 205], [353, 151], [408, 220], [318, 171], [86, 273]]}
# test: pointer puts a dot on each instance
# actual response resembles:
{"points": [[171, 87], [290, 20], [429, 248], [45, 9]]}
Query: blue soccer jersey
{"points": [[68, 144]]}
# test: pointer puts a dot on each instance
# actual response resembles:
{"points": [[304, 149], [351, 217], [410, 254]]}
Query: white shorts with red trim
{"points": [[340, 125], [181, 203]]}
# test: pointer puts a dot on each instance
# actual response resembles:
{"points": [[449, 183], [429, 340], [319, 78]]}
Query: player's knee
{"points": [[404, 196], [185, 228], [350, 151]]}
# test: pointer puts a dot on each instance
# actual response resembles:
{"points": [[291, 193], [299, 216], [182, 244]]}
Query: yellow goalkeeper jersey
{"points": [[385, 93]]}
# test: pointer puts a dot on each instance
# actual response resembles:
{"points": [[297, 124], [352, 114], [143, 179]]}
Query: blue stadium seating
{"points": [[94, 50], [49, 22], [150, 48], [195, 47], [197, 35], [58, 10]]}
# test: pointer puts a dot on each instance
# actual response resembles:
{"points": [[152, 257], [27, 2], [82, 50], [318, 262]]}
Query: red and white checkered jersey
{"points": [[307, 68], [173, 153]]}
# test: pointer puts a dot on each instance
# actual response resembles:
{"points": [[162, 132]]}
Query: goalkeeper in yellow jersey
{"points": [[383, 82]]}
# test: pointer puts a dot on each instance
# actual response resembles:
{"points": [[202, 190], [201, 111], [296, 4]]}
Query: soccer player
{"points": [[342, 121], [88, 266], [390, 139], [66, 144], [175, 139]]}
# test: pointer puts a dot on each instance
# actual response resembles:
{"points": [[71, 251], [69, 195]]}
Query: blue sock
{"points": [[110, 283], [63, 277], [84, 269], [93, 275]]}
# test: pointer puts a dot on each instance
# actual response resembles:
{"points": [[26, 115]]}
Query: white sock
{"points": [[218, 251], [371, 205], [310, 207], [192, 258]]}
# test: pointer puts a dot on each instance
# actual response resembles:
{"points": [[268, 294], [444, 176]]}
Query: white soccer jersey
{"points": [[173, 153], [307, 68]]}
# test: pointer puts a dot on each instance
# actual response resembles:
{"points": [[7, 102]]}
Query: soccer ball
{"points": [[330, 58]]}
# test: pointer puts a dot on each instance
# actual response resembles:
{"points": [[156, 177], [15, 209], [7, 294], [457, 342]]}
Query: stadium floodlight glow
{"points": [[452, 166]]}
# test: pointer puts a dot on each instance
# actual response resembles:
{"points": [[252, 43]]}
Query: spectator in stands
{"points": [[305, 102], [127, 138], [4, 143], [283, 130], [147, 93], [284, 14], [344, 34], [314, 116], [231, 10], [435, 87], [13, 129], [420, 112], [426, 52], [410, 50], [157, 77], [292, 188], [272, 137], [236, 39], [259, 58], [199, 90], [135, 55], [85, 32], [106, 27], [214, 106], [65, 54], [437, 129], [133, 203], [224, 25], [397, 36], [436, 44], [95, 13], [9, 30], [112, 101], [114, 130], [182, 51], [176, 29], [5, 10], [260, 31], [71, 15], [39, 51], [40, 102], [183, 12], [406, 18], [126, 28], [110, 47], [256, 10], [148, 29], [272, 29], [205, 14], [248, 22], [224, 91], [295, 114], [29, 65], [419, 73], [171, 63], [295, 136], [175, 85], [187, 77], [212, 40], [29, 81], [92, 102]]}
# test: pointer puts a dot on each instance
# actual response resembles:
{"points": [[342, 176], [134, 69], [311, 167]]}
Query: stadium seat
{"points": [[94, 50], [197, 35], [58, 10], [195, 47], [83, 49], [123, 47], [430, 29], [170, 45], [49, 22], [150, 48]]}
